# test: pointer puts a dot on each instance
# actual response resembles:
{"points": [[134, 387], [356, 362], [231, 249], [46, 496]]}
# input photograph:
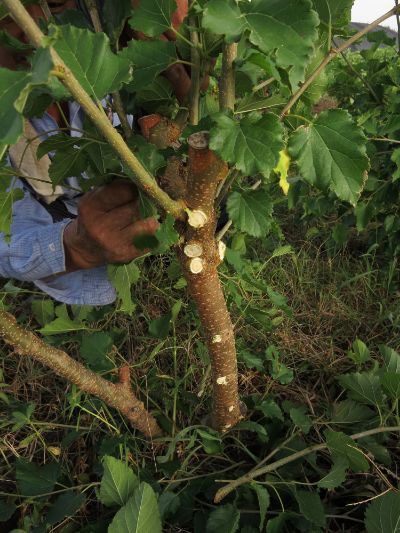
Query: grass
{"points": [[334, 300]]}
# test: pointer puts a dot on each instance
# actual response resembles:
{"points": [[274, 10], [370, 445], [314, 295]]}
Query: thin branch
{"points": [[142, 177], [46, 10], [227, 95], [332, 54], [384, 139], [31, 178], [224, 186], [398, 25], [221, 233], [281, 446], [224, 491], [94, 15], [262, 84], [120, 396], [194, 106], [119, 108], [359, 76]]}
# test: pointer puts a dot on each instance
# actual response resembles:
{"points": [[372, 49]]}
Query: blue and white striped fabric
{"points": [[36, 251]]}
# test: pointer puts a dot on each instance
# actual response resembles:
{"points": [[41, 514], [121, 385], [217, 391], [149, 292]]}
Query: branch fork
{"points": [[119, 396]]}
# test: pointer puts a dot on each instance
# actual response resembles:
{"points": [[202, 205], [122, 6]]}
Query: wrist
{"points": [[78, 255]]}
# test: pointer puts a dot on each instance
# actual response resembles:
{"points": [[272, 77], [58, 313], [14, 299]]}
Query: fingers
{"points": [[109, 197], [108, 222], [108, 238], [122, 217], [126, 251], [147, 226]]}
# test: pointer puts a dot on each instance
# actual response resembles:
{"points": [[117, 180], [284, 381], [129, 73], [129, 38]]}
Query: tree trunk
{"points": [[200, 255]]}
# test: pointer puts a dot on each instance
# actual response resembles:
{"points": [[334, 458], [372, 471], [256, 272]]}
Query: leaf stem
{"points": [[183, 62], [332, 54], [225, 184], [232, 485], [184, 39], [262, 84], [359, 76], [141, 176], [398, 25], [384, 139], [46, 10]]}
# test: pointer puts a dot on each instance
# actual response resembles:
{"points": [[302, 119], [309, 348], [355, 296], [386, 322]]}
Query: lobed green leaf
{"points": [[153, 17], [383, 514], [342, 447], [331, 154], [311, 507], [225, 519], [148, 60], [33, 479], [123, 277], [88, 55], [251, 144], [251, 212]]}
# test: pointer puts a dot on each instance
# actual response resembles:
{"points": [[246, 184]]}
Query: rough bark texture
{"points": [[204, 174], [119, 396], [159, 130]]}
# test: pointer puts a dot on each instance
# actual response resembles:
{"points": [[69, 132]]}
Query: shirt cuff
{"points": [[38, 253], [52, 246]]}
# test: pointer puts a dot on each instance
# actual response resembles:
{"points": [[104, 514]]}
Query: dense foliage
{"points": [[365, 83], [317, 442]]}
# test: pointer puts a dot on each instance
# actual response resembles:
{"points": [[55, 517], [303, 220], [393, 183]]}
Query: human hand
{"points": [[107, 223]]}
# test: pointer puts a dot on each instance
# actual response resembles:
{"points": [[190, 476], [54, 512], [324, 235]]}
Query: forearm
{"points": [[37, 255], [33, 254]]}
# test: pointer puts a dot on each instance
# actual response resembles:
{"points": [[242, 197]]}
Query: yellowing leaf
{"points": [[54, 450], [282, 170]]}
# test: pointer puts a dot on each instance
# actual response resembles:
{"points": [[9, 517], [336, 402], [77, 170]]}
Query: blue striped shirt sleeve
{"points": [[36, 253]]}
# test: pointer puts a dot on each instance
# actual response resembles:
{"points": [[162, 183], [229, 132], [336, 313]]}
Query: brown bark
{"points": [[120, 395], [204, 174], [197, 185], [160, 131]]}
